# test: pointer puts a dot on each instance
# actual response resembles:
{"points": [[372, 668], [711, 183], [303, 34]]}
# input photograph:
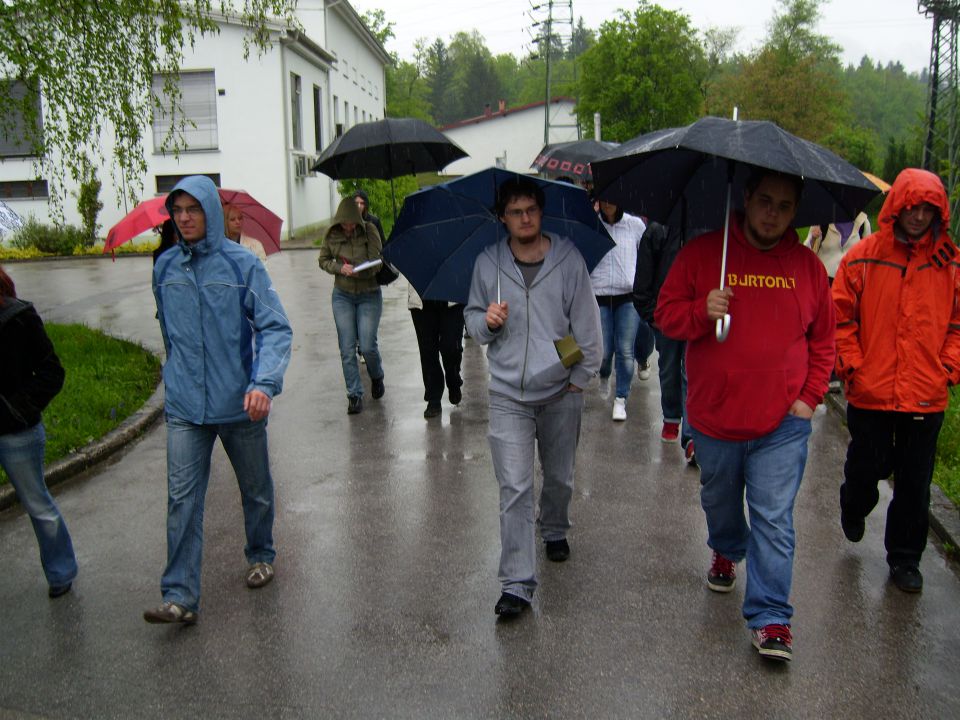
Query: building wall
{"points": [[512, 139], [255, 149]]}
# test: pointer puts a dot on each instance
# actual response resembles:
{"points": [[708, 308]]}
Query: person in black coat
{"points": [[30, 377], [658, 248]]}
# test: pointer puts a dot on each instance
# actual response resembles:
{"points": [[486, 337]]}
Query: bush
{"points": [[89, 207], [48, 238]]}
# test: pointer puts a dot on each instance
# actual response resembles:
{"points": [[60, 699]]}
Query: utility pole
{"points": [[941, 150], [552, 21]]}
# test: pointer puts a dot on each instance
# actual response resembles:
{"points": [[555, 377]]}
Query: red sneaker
{"points": [[689, 453], [722, 575], [670, 432], [774, 642]]}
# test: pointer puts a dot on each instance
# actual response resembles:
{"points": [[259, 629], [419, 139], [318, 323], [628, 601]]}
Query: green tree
{"points": [[93, 65], [792, 80], [581, 39], [439, 77], [645, 72], [475, 82]]}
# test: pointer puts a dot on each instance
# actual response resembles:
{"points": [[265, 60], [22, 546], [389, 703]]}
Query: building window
{"points": [[346, 115], [198, 100], [13, 130], [21, 189], [317, 119], [296, 115], [166, 183], [356, 114]]}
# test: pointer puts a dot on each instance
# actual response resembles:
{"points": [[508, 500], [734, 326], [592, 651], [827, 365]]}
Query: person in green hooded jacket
{"points": [[357, 301]]}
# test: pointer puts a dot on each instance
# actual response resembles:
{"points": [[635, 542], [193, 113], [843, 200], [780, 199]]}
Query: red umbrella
{"points": [[258, 221]]}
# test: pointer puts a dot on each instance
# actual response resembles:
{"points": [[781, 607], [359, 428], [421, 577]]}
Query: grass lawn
{"points": [[107, 380], [947, 473]]}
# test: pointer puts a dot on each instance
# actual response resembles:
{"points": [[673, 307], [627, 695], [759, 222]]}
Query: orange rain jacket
{"points": [[898, 308]]}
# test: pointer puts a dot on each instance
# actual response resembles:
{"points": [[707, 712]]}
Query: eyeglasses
{"points": [[193, 211], [517, 213]]}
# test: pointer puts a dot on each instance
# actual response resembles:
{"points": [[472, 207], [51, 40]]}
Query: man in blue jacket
{"points": [[527, 292], [228, 342]]}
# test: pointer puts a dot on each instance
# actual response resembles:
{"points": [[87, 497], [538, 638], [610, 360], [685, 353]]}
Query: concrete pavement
{"points": [[386, 571]]}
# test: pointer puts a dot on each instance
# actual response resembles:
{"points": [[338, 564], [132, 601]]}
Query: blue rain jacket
{"points": [[224, 328]]}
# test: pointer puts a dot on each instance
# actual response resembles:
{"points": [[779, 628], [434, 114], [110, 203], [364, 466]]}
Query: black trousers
{"points": [[439, 329], [904, 445]]}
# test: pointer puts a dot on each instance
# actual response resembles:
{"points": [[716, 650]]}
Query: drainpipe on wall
{"points": [[288, 171]]}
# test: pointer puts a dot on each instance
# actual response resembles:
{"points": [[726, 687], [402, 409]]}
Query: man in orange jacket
{"points": [[897, 295]]}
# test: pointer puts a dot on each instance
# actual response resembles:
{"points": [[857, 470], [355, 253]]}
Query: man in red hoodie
{"points": [[898, 345], [750, 399]]}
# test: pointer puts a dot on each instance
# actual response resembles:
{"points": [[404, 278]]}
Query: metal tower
{"points": [[941, 151], [553, 20]]}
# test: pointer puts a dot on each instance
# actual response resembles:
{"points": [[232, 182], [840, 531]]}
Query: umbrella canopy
{"points": [[442, 229], [9, 220], [386, 149], [649, 174], [258, 221], [571, 158], [879, 182]]}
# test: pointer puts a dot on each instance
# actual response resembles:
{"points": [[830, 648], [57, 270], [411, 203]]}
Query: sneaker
{"points": [[355, 404], [55, 591], [455, 395], [670, 432], [620, 409], [363, 360], [509, 606], [835, 386], [170, 612], [557, 550], [722, 575], [377, 388], [644, 373], [690, 455], [433, 409], [907, 578], [853, 527], [604, 387], [773, 642], [259, 574]]}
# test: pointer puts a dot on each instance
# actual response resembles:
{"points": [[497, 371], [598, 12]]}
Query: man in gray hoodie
{"points": [[528, 291]]}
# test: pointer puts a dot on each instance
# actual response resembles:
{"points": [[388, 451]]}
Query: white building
{"points": [[259, 123], [510, 138]]}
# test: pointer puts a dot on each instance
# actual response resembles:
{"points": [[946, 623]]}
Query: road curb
{"points": [[944, 515], [97, 451]]}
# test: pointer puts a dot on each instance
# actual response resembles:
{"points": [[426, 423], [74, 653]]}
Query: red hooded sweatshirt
{"points": [[780, 347]]}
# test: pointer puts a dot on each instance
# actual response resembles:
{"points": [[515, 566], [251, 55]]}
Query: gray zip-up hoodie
{"points": [[523, 361]]}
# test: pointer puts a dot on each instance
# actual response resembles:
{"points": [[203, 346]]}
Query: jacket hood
{"points": [[348, 212], [202, 189], [361, 194], [912, 187]]}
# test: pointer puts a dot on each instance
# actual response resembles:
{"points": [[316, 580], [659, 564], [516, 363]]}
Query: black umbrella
{"points": [[386, 149], [708, 163], [571, 158]]}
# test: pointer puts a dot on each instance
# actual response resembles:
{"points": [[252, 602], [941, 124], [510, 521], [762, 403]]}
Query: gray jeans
{"points": [[514, 429]]}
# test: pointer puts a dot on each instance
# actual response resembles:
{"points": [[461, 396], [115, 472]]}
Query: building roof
{"points": [[503, 111]]}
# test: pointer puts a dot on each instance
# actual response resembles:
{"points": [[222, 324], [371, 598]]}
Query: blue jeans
{"points": [[618, 323], [769, 469], [188, 472], [357, 316], [21, 455], [672, 369], [643, 347]]}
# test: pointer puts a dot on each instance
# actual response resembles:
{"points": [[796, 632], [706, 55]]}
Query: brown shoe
{"points": [[170, 612], [259, 574]]}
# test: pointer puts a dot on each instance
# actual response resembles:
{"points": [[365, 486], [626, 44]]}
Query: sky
{"points": [[890, 30]]}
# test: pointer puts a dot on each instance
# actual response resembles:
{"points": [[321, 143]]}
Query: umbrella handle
{"points": [[723, 327]]}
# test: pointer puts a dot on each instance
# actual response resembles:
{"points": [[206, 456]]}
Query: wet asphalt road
{"points": [[387, 545]]}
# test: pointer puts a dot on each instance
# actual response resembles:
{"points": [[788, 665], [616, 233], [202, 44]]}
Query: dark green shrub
{"points": [[48, 238], [89, 206]]}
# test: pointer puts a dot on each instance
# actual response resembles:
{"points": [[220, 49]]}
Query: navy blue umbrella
{"points": [[442, 229]]}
